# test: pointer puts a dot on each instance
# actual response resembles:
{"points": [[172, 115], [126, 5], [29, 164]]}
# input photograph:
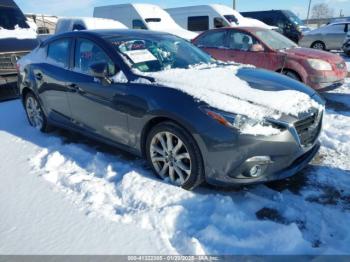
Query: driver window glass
{"points": [[78, 27], [87, 53], [240, 41], [138, 24], [337, 28], [219, 22], [213, 39]]}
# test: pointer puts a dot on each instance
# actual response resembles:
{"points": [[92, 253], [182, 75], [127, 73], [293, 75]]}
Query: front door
{"points": [[96, 105], [213, 42], [51, 80]]}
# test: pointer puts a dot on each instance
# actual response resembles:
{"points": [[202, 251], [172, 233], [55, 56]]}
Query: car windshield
{"points": [[275, 40], [159, 53], [12, 17], [293, 18]]}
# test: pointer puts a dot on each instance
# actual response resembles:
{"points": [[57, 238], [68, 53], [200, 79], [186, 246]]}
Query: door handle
{"points": [[75, 88], [39, 76]]}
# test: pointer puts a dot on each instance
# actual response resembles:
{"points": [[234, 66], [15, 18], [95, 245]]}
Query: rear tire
{"points": [[174, 155], [35, 114], [318, 45]]}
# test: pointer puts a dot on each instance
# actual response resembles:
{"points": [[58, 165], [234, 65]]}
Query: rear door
{"points": [[96, 107], [50, 78], [214, 43], [334, 36]]}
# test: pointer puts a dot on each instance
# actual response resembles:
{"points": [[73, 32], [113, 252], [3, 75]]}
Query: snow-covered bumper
{"points": [[247, 159]]}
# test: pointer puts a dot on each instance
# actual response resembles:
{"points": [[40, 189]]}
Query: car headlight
{"points": [[235, 120], [319, 64]]}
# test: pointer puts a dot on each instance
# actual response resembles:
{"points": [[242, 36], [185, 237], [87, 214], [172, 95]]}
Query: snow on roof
{"points": [[65, 24], [18, 32]]}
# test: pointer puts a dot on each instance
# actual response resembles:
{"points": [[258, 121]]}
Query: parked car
{"points": [[270, 50], [158, 96], [16, 40], [200, 18], [69, 24], [143, 16], [289, 24], [328, 37]]}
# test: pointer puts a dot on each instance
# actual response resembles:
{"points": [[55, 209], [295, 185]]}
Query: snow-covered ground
{"points": [[61, 193]]}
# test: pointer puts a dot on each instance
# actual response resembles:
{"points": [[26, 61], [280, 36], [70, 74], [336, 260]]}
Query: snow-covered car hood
{"points": [[251, 92]]}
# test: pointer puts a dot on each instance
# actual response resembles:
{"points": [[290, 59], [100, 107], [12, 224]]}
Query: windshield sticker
{"points": [[140, 56]]}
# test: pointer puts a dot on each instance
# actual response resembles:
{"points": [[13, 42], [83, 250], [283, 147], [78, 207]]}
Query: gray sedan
{"points": [[329, 37]]}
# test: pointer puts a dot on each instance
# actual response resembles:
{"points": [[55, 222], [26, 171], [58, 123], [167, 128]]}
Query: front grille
{"points": [[8, 61], [309, 128]]}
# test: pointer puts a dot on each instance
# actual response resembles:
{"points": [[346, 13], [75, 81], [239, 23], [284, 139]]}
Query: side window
{"points": [[198, 23], [213, 39], [240, 41], [138, 24], [337, 29], [88, 53], [219, 22], [78, 27], [58, 52]]}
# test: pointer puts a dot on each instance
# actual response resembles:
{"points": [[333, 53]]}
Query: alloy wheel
{"points": [[170, 157], [34, 112], [318, 45]]}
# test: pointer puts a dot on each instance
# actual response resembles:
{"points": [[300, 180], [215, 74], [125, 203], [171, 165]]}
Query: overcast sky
{"points": [[85, 7]]}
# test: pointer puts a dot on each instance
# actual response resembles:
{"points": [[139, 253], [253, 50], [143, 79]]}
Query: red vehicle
{"points": [[271, 50]]}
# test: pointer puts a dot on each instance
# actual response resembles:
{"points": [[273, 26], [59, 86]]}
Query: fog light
{"points": [[255, 171]]}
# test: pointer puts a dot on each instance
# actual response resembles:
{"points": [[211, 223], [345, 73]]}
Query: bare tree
{"points": [[322, 10]]}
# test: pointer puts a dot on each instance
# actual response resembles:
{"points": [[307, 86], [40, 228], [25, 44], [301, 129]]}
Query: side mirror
{"points": [[99, 70], [257, 48]]}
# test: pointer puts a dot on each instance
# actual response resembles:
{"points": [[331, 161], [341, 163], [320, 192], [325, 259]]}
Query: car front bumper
{"points": [[327, 80], [230, 161]]}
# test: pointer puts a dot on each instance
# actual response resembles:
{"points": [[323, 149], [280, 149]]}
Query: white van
{"points": [[86, 23], [143, 16], [204, 17]]}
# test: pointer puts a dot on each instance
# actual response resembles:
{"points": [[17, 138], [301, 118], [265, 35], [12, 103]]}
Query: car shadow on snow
{"points": [[338, 102]]}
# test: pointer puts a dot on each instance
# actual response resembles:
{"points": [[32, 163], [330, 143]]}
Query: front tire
{"points": [[292, 75], [174, 155], [35, 114], [318, 45]]}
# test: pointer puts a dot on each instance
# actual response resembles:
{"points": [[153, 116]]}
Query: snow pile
{"points": [[18, 32], [221, 88]]}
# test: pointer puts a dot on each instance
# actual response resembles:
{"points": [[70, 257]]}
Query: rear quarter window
{"points": [[198, 23], [58, 52]]}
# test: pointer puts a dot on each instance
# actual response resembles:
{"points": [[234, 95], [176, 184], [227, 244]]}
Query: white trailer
{"points": [[204, 17], [143, 16]]}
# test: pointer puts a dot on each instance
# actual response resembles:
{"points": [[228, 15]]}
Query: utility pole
{"points": [[234, 4], [308, 13]]}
